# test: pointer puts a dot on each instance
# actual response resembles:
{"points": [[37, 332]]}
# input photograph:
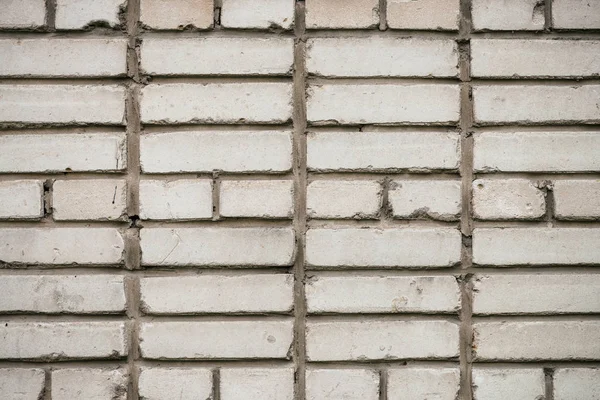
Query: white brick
{"points": [[21, 199], [577, 199], [78, 14], [89, 199], [536, 246], [513, 58], [537, 340], [382, 294], [347, 384], [62, 340], [576, 14], [176, 200], [216, 340], [23, 13], [577, 383], [259, 293], [344, 199], [89, 384], [220, 246], [61, 246], [163, 383], [62, 152], [434, 199], [536, 294], [234, 151], [537, 104], [257, 384], [62, 104], [513, 383], [177, 14], [522, 151], [507, 199], [63, 57], [508, 15], [218, 56], [353, 57], [227, 103], [77, 294], [381, 340], [257, 14], [423, 14], [21, 383], [342, 14], [383, 151], [393, 103], [258, 198], [423, 383], [407, 247]]}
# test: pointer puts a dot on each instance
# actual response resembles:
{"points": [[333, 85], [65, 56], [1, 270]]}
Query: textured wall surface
{"points": [[311, 200]]}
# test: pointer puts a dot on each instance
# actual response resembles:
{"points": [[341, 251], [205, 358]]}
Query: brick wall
{"points": [[322, 199]]}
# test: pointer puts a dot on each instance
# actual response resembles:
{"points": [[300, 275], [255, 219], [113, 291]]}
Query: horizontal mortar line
{"points": [[57, 365], [366, 127], [217, 34], [41, 33], [49, 224], [558, 176], [575, 317], [383, 364], [58, 318], [216, 363], [376, 33], [32, 127], [388, 362], [449, 126], [225, 176], [539, 364], [61, 268], [66, 81], [449, 272], [199, 127], [405, 317], [145, 273], [6, 177], [558, 125], [380, 176], [557, 224], [574, 34], [72, 130], [382, 81], [214, 79], [558, 82], [380, 223], [225, 223], [508, 127]]}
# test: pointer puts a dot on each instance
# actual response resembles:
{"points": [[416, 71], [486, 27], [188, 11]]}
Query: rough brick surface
{"points": [[21, 199], [576, 14], [188, 383], [421, 383], [507, 199], [257, 384], [92, 384], [508, 15], [576, 199], [257, 199], [570, 383], [433, 199], [21, 383], [19, 14], [497, 384], [342, 14], [257, 14], [180, 199], [93, 199], [177, 14], [79, 14], [423, 14], [343, 199], [349, 384]]}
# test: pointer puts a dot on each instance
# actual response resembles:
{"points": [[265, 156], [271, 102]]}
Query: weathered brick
{"points": [[257, 198], [162, 383], [433, 199], [536, 294], [407, 247], [383, 151], [343, 199], [536, 246], [382, 294], [508, 15], [342, 14], [23, 14], [537, 340], [177, 14], [577, 383], [393, 103], [227, 103], [576, 14], [257, 14], [220, 246], [347, 384], [89, 199], [260, 293], [233, 151], [257, 384], [89, 384], [62, 340], [79, 14], [353, 57], [576, 199], [60, 57], [180, 199], [423, 383], [508, 383], [537, 151], [423, 14], [21, 383], [217, 56], [61, 246], [538, 104], [381, 340], [68, 294], [507, 199], [514, 58], [216, 340], [21, 199]]}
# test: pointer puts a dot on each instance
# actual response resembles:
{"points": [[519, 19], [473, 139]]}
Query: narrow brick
{"points": [[181, 199], [344, 199], [396, 57], [89, 199], [508, 15], [508, 199], [439, 200], [577, 383], [576, 14], [177, 14], [23, 14], [381, 340], [257, 384], [21, 383], [407, 247], [576, 199], [216, 340], [257, 198], [218, 56], [353, 104], [226, 103], [82, 14], [21, 199], [89, 384], [188, 383], [536, 246], [508, 383], [257, 14], [423, 14], [220, 246], [347, 384], [423, 383], [260, 293], [342, 14]]}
